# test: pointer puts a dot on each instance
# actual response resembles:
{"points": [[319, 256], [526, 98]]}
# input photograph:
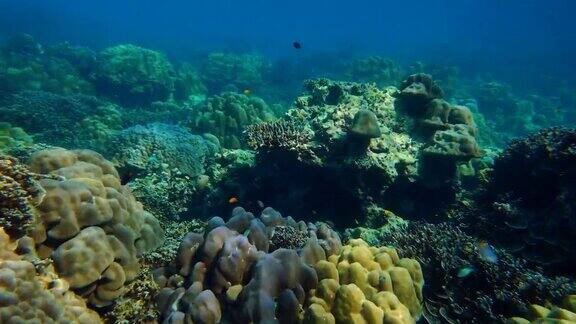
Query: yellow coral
{"points": [[366, 285], [29, 297], [554, 314]]}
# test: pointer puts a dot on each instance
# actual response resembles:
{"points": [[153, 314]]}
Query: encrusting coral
{"points": [[225, 275], [90, 224], [36, 298]]}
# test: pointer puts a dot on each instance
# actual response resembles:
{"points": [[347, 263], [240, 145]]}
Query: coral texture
{"points": [[251, 277], [226, 116], [529, 206], [20, 193], [93, 225], [32, 298]]}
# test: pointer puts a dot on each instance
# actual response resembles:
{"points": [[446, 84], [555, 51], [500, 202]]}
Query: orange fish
{"points": [[233, 200]]}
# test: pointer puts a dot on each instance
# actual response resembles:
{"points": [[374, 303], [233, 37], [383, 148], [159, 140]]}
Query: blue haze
{"points": [[519, 39]]}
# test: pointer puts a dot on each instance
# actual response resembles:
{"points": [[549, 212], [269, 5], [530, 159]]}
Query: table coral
{"points": [[39, 298]]}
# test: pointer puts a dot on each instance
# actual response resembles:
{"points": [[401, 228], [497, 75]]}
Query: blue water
{"points": [[508, 37]]}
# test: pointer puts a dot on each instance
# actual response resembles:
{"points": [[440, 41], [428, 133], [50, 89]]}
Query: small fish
{"points": [[260, 204], [297, 45], [247, 92], [465, 271], [233, 200], [486, 252]]}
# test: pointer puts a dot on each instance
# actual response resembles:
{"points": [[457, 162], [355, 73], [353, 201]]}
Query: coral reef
{"points": [[246, 278], [551, 314], [226, 116], [13, 138], [133, 75], [365, 284], [26, 65], [68, 121], [20, 193], [528, 206], [89, 224], [36, 298], [280, 135], [462, 285], [246, 71], [380, 70], [143, 148]]}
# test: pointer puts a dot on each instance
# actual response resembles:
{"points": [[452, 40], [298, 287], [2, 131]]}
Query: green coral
{"points": [[377, 69], [13, 137], [226, 116], [228, 69], [25, 65], [134, 75]]}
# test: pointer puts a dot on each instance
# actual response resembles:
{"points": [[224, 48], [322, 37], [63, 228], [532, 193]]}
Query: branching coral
{"points": [[462, 285], [280, 135]]}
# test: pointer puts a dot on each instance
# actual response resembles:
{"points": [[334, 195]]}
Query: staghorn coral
{"points": [[20, 193], [280, 135], [91, 225], [36, 298], [226, 116]]}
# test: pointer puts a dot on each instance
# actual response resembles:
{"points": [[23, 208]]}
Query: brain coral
{"points": [[27, 297], [93, 224]]}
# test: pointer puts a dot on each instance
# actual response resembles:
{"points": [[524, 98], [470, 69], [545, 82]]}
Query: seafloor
{"points": [[235, 189]]}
